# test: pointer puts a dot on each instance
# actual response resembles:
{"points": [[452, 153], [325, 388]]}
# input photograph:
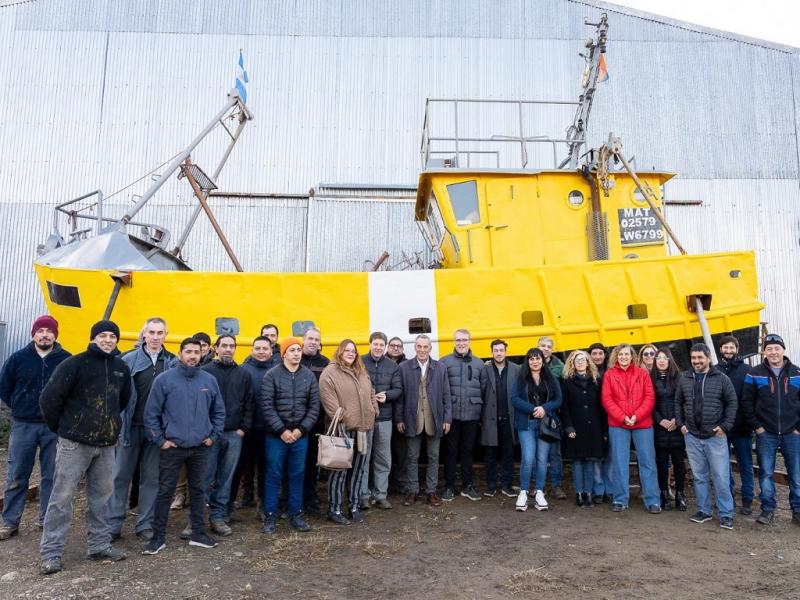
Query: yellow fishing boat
{"points": [[578, 252]]}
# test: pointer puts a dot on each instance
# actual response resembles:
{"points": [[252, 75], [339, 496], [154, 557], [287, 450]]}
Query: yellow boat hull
{"points": [[575, 304]]}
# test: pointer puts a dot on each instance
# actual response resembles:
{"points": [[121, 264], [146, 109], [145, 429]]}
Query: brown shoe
{"points": [[434, 499], [410, 500]]}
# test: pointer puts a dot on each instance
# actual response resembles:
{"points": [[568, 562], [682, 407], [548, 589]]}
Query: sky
{"points": [[772, 20]]}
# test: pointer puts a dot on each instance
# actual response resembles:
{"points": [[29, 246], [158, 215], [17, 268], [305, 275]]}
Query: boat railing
{"points": [[85, 214], [458, 142]]}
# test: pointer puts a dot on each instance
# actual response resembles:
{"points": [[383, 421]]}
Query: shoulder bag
{"points": [[335, 451]]}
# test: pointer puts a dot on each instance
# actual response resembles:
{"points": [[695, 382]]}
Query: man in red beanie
{"points": [[22, 379]]}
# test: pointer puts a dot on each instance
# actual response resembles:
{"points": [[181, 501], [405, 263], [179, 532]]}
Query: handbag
{"points": [[549, 429], [335, 452]]}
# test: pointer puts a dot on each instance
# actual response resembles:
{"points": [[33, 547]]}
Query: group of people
{"points": [[161, 426]]}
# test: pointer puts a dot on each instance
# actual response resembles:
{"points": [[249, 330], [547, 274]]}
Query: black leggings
{"points": [[678, 466]]}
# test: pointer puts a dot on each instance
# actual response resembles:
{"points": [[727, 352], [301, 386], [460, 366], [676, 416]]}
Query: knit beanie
{"points": [[102, 326], [773, 338], [598, 346], [45, 321], [290, 341]]}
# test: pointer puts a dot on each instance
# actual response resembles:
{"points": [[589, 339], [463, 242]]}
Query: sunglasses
{"points": [[648, 353]]}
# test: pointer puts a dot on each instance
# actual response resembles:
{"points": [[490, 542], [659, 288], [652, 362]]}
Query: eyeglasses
{"points": [[648, 353], [395, 345]]}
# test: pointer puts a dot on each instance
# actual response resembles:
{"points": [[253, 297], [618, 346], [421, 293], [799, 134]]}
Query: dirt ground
{"points": [[460, 550]]}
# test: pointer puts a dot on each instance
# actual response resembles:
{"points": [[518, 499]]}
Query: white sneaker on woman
{"points": [[522, 501], [539, 501]]}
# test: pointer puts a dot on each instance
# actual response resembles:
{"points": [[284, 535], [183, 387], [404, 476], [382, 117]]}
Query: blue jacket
{"points": [[464, 375], [138, 360], [185, 407], [524, 408], [773, 402], [257, 369], [23, 378]]}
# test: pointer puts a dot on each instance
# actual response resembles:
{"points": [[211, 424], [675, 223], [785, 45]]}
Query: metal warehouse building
{"points": [[95, 94]]}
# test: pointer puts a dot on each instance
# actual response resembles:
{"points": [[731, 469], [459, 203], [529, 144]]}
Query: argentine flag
{"points": [[242, 79]]}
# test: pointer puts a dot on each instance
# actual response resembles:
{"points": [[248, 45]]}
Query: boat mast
{"points": [[576, 133], [233, 100]]}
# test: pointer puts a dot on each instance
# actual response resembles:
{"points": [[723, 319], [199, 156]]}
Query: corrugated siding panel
{"points": [[748, 215]]}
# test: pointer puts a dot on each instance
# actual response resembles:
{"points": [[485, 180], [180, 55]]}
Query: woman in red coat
{"points": [[629, 400]]}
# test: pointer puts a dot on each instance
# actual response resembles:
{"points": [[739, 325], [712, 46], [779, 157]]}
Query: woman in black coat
{"points": [[668, 438], [585, 423]]}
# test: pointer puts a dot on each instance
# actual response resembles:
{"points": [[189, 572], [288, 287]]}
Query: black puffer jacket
{"points": [[665, 388], [736, 370], [719, 403], [289, 400], [464, 376], [236, 387], [582, 412], [773, 402], [385, 377], [83, 400]]}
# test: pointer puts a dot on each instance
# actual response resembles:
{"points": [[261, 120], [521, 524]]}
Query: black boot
{"points": [[579, 499], [680, 501], [587, 500], [666, 504]]}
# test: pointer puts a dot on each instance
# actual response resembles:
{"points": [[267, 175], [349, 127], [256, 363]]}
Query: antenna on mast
{"points": [[594, 70]]}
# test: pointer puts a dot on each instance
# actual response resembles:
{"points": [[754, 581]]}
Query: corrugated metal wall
{"points": [[98, 93]]}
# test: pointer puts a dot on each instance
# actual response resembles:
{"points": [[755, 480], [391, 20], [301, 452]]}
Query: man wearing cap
{"points": [[290, 406], [22, 379], [184, 417], [82, 403], [135, 449], [772, 407]]}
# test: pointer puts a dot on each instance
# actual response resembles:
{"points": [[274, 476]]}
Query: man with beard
{"points": [[24, 375], [237, 395]]}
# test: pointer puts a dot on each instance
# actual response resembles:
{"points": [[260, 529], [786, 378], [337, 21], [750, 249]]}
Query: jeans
{"points": [[25, 438], [710, 461], [223, 457], [352, 478], [620, 439], [743, 449], [505, 448], [603, 480], [413, 447], [583, 474], [292, 457], [73, 460], [556, 465], [767, 445], [532, 449], [381, 458], [144, 454], [363, 492], [663, 456], [169, 466], [460, 442]]}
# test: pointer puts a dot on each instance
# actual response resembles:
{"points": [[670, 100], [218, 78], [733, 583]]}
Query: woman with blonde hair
{"points": [[585, 423], [628, 399], [345, 384], [647, 357]]}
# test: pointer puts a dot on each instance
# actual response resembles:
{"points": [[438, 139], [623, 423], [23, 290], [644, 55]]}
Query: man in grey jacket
{"points": [[497, 419], [145, 362], [463, 372], [423, 410], [184, 417], [705, 410]]}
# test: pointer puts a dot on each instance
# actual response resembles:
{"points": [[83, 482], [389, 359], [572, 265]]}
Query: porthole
{"points": [[575, 199]]}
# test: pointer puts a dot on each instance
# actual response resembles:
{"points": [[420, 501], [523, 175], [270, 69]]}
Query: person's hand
{"points": [[287, 437], [719, 431], [446, 428], [208, 442], [296, 434], [167, 445], [684, 429], [666, 424], [401, 427], [633, 420], [571, 435], [538, 413], [672, 424], [628, 421], [240, 433], [380, 397], [760, 430]]}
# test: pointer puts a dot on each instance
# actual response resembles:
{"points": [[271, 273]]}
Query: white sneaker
{"points": [[522, 501], [539, 501]]}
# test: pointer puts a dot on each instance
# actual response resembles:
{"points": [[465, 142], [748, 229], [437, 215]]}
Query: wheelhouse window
{"points": [[65, 295], [464, 199]]}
